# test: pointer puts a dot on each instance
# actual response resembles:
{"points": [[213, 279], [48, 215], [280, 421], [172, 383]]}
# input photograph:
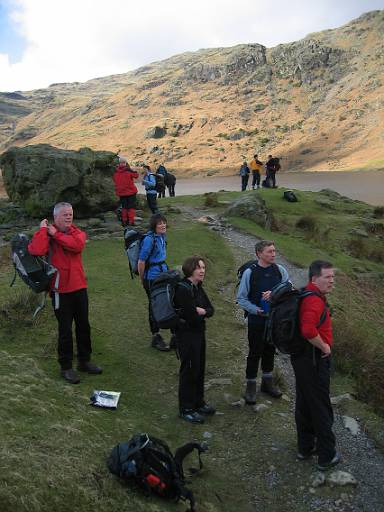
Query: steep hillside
{"points": [[317, 103]]}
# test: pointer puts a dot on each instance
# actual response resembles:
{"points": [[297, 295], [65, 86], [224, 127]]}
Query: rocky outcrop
{"points": [[37, 177], [307, 60], [251, 207]]}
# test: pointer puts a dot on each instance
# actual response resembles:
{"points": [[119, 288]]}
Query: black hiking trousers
{"points": [[255, 179], [152, 202], [313, 412], [152, 322], [73, 307], [258, 350], [191, 346]]}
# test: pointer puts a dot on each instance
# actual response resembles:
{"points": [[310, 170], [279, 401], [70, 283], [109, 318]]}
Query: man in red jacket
{"points": [[126, 190], [313, 413], [65, 242]]}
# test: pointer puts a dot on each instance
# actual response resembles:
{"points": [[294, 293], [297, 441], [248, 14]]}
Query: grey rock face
{"points": [[37, 177], [304, 59], [156, 132], [251, 207]]}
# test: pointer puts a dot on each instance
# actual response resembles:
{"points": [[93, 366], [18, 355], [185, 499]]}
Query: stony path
{"points": [[360, 457]]}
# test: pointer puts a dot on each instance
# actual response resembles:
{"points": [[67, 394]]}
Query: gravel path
{"points": [[360, 457]]}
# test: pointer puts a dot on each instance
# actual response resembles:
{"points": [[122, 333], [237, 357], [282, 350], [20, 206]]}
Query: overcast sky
{"points": [[48, 41]]}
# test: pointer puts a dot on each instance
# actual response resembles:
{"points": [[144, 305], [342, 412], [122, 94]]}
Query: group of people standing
{"points": [[154, 184], [271, 166], [313, 414]]}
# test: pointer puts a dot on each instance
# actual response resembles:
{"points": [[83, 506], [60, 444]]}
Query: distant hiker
{"points": [[313, 413], [149, 182], [68, 288], [195, 307], [256, 167], [272, 167], [160, 185], [162, 171], [267, 182], [125, 188], [255, 288], [244, 173], [153, 253], [170, 183]]}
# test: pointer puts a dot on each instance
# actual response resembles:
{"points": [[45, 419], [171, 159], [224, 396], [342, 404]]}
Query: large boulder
{"points": [[252, 207], [37, 177]]}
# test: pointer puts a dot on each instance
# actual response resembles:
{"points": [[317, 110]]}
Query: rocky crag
{"points": [[318, 103]]}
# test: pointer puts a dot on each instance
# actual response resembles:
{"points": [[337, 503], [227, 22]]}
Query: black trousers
{"points": [[244, 182], [162, 193], [171, 190], [258, 350], [152, 202], [255, 179], [313, 413], [272, 177], [152, 323], [191, 348], [73, 307]]}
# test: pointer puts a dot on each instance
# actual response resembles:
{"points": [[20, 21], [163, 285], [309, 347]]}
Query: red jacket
{"points": [[66, 256], [123, 179], [311, 309]]}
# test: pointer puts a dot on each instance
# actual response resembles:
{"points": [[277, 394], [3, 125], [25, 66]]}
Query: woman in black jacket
{"points": [[195, 307]]}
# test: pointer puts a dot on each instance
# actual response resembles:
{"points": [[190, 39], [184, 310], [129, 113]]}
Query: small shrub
{"points": [[358, 248], [307, 223], [377, 254], [211, 200], [378, 212]]}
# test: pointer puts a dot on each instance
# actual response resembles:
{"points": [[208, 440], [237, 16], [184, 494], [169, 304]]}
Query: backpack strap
{"points": [[186, 449]]}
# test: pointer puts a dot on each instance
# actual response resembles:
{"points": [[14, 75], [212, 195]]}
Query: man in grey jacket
{"points": [[253, 296]]}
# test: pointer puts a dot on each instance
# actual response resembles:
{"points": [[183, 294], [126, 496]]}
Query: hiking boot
{"points": [[327, 465], [159, 343], [307, 454], [191, 416], [268, 387], [89, 367], [70, 376], [250, 392], [206, 410]]}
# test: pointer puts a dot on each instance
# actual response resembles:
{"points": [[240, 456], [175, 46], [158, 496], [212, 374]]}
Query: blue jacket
{"points": [[153, 250], [149, 182]]}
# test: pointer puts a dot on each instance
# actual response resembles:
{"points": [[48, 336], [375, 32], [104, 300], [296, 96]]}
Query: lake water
{"points": [[366, 186]]}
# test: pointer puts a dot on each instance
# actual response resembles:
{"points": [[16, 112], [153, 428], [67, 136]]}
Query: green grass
{"points": [[54, 445]]}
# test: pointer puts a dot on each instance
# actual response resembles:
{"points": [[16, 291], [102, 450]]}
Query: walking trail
{"points": [[361, 460]]}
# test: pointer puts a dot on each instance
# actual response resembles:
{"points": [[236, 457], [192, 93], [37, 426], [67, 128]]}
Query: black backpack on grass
{"points": [[290, 196], [162, 292], [149, 463], [282, 326]]}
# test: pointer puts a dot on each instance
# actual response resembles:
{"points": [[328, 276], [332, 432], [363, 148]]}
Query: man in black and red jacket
{"points": [[313, 413]]}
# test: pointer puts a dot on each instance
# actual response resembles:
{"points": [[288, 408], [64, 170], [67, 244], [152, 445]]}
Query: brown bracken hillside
{"points": [[318, 103]]}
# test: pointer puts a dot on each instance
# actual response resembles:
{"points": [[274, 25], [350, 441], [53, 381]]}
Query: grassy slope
{"points": [[54, 444]]}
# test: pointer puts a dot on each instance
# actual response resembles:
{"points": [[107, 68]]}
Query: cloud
{"points": [[75, 40]]}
